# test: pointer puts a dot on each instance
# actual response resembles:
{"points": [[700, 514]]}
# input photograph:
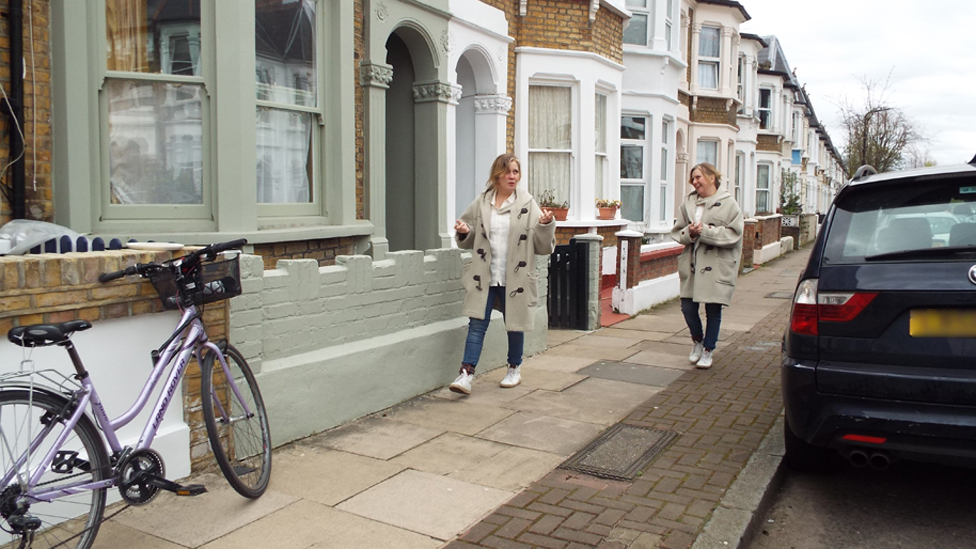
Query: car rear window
{"points": [[877, 221]]}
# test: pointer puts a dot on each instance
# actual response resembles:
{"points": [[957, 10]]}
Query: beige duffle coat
{"points": [[526, 239], [709, 264]]}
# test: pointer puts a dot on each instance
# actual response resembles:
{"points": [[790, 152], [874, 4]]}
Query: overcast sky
{"points": [[929, 49]]}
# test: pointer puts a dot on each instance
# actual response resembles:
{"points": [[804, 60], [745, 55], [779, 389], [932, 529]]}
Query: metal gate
{"points": [[568, 286]]}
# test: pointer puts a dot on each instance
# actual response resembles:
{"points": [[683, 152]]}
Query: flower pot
{"points": [[607, 213], [560, 213]]}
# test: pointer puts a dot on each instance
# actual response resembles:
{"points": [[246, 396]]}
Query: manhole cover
{"points": [[620, 452], [780, 295]]}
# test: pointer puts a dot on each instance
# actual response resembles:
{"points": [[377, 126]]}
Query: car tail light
{"points": [[811, 307]]}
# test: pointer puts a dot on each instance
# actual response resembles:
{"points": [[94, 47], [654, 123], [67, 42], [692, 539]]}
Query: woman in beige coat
{"points": [[506, 229], [709, 225]]}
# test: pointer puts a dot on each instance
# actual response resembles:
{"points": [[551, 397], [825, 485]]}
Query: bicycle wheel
{"points": [[72, 519], [237, 423]]}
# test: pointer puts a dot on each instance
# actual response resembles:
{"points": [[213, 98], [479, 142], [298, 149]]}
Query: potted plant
{"points": [[608, 208], [560, 209], [789, 200]]}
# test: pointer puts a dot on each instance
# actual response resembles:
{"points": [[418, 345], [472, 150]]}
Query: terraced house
{"points": [[372, 124]]}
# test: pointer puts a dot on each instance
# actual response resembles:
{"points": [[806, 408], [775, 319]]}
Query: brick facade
{"points": [[768, 143], [324, 250], [748, 245], [36, 121], [49, 288], [768, 231], [714, 110]]}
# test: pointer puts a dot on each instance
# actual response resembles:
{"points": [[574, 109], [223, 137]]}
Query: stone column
{"points": [[376, 78], [435, 105], [490, 118], [693, 57], [593, 278]]}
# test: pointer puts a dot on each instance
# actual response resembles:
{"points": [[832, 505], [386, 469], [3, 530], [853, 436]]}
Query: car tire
{"points": [[801, 455]]}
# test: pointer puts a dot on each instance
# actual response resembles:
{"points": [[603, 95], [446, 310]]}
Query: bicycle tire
{"points": [[242, 448], [83, 510]]}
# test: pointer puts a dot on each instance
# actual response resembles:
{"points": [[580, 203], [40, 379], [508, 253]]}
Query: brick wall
{"points": [[359, 49], [36, 121], [49, 288], [748, 245], [324, 251], [769, 143], [713, 110], [769, 230], [650, 265]]}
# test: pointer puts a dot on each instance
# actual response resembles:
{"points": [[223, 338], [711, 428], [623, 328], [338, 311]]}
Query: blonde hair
{"points": [[709, 170], [500, 167]]}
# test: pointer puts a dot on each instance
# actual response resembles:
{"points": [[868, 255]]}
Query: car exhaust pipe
{"points": [[858, 458], [880, 461]]}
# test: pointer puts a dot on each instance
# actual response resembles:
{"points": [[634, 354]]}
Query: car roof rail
{"points": [[864, 171]]}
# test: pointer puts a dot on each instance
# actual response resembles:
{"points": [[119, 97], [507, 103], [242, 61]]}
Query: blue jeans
{"points": [[713, 316], [477, 329]]}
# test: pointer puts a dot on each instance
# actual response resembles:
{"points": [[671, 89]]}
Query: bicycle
{"points": [[55, 466]]}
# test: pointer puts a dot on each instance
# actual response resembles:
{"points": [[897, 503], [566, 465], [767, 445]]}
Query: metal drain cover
{"points": [[620, 452]]}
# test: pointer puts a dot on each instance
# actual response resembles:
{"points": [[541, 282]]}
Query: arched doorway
{"points": [[412, 158]]}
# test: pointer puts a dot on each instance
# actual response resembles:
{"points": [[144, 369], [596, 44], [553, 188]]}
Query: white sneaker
{"points": [[462, 384], [705, 361], [513, 377], [696, 352]]}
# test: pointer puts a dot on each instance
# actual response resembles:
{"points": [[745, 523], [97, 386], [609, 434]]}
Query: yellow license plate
{"points": [[942, 323]]}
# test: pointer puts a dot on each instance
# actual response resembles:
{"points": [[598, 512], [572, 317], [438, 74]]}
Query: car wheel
{"points": [[803, 456]]}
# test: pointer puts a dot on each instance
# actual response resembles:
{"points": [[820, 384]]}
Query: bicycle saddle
{"points": [[42, 335]]}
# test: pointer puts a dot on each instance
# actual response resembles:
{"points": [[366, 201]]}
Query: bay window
{"points": [[707, 152], [765, 108], [633, 142], [600, 162], [762, 189], [637, 29], [550, 140], [709, 56]]}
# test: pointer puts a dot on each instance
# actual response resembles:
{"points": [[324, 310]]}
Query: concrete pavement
{"points": [[444, 470]]}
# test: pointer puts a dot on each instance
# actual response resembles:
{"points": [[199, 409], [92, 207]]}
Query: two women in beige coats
{"points": [[709, 225], [506, 229]]}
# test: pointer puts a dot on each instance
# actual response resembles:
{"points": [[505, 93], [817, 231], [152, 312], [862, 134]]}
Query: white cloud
{"points": [[928, 48]]}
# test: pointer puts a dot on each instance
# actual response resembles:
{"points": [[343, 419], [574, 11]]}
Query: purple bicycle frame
{"points": [[182, 349]]}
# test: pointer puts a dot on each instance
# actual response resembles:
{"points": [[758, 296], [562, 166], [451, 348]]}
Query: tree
{"points": [[878, 133], [789, 197]]}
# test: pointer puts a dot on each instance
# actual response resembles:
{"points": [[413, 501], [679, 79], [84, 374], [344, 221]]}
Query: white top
{"points": [[498, 239], [699, 211]]}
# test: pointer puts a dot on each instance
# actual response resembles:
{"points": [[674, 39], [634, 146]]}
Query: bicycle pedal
{"points": [[191, 490]]}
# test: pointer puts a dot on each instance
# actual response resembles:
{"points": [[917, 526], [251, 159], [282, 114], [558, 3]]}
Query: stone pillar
{"points": [[593, 278], [376, 78], [748, 245], [435, 105], [627, 272], [693, 57], [725, 74]]}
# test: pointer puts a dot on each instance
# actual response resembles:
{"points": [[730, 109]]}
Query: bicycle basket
{"points": [[207, 283]]}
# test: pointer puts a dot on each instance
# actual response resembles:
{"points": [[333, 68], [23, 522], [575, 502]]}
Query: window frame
{"points": [[665, 174], [760, 109], [643, 11], [767, 190], [707, 140], [573, 87], [644, 145], [711, 61]]}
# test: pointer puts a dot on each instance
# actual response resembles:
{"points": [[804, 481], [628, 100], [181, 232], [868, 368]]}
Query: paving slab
{"points": [[449, 453], [654, 322], [600, 401], [194, 521], [535, 378], [377, 437], [576, 350], [327, 476], [112, 535], [512, 469], [553, 435], [558, 337], [556, 363], [307, 524], [614, 331], [447, 505], [594, 340], [461, 417], [633, 373], [666, 360]]}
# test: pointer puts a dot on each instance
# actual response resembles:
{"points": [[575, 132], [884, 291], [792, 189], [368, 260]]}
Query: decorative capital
{"points": [[381, 12], [443, 92], [696, 28], [492, 104], [377, 75], [446, 42]]}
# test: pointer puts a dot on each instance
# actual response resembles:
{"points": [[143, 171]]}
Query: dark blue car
{"points": [[879, 360]]}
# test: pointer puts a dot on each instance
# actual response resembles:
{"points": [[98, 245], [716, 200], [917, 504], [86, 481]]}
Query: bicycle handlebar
{"points": [[142, 268]]}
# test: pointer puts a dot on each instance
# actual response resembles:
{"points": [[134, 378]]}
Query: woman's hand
{"points": [[695, 229], [461, 227], [546, 216]]}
